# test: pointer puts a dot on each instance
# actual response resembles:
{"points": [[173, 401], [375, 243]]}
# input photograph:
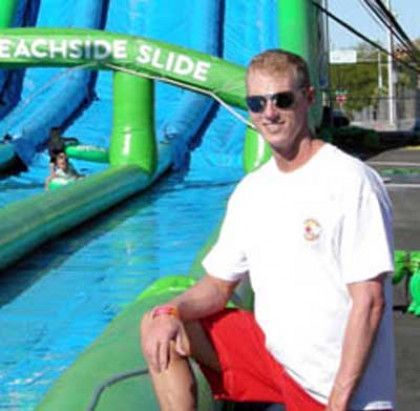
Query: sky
{"points": [[353, 12]]}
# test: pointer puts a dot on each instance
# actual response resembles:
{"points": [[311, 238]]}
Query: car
{"points": [[415, 132], [339, 119], [334, 118], [416, 126]]}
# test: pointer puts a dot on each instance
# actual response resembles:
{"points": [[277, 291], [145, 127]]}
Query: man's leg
{"points": [[176, 387]]}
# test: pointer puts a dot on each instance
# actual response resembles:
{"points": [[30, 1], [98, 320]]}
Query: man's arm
{"points": [[208, 296], [363, 322]]}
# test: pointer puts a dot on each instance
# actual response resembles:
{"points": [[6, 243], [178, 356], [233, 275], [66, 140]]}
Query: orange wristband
{"points": [[165, 310]]}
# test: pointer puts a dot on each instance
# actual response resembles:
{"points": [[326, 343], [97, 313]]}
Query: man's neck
{"points": [[295, 157]]}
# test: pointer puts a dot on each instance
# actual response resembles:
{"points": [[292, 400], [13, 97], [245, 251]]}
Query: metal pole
{"points": [[380, 80], [328, 50], [391, 89]]}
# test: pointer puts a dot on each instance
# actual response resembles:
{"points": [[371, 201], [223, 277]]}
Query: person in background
{"points": [[60, 167], [57, 140], [312, 228]]}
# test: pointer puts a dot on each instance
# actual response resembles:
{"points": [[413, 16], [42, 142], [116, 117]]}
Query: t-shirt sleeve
{"points": [[227, 260], [366, 249]]}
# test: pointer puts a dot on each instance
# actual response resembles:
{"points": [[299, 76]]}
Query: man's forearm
{"points": [[206, 297], [359, 336]]}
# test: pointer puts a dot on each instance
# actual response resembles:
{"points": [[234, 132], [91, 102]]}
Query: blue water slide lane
{"points": [[55, 302], [11, 80], [204, 33], [52, 96]]}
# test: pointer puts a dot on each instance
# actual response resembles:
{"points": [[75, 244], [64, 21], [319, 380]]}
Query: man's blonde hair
{"points": [[279, 62]]}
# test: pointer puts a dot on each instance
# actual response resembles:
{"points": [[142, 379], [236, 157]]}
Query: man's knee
{"points": [[152, 337], [193, 343]]}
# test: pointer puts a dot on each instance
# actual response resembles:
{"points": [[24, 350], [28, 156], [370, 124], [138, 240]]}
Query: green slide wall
{"points": [[7, 12]]}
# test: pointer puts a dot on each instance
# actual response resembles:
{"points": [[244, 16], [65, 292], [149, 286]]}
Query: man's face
{"points": [[281, 127]]}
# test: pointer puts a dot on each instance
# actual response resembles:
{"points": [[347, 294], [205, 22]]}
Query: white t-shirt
{"points": [[302, 237]]}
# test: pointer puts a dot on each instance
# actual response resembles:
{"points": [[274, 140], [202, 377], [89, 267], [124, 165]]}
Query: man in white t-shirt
{"points": [[312, 229]]}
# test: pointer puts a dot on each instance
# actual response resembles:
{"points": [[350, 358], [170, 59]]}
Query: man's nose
{"points": [[270, 109]]}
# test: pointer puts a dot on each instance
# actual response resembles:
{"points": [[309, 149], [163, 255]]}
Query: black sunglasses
{"points": [[283, 100]]}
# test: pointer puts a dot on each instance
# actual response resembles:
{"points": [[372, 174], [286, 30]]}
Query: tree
{"points": [[360, 80]]}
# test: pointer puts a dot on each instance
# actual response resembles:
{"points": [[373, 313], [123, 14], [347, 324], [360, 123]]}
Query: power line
{"points": [[394, 22], [388, 20], [374, 17], [363, 37]]}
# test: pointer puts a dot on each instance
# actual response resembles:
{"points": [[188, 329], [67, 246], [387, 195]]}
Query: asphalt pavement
{"points": [[404, 189]]}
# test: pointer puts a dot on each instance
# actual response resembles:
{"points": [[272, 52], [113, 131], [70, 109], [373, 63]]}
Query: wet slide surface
{"points": [[56, 302]]}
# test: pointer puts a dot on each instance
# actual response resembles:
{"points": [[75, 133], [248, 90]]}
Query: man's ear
{"points": [[310, 94]]}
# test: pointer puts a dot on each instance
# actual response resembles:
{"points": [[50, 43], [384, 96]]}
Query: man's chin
{"points": [[276, 138], [273, 129]]}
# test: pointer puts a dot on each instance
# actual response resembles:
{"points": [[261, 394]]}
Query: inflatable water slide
{"points": [[146, 90]]}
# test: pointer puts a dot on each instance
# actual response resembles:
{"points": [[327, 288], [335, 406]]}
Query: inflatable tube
{"points": [[133, 137], [88, 153], [60, 182]]}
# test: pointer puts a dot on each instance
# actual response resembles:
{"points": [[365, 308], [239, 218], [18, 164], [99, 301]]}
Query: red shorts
{"points": [[249, 372]]}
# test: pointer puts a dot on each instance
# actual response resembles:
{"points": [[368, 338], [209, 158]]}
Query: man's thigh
{"points": [[200, 347], [238, 367]]}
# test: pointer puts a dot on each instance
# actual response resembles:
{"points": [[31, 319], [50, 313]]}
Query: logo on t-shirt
{"points": [[311, 229]]}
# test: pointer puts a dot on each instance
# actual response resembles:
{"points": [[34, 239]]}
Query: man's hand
{"points": [[160, 335], [338, 400], [163, 335]]}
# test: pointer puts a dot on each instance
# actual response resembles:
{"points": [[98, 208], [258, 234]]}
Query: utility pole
{"points": [[380, 80], [391, 88], [327, 44]]}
